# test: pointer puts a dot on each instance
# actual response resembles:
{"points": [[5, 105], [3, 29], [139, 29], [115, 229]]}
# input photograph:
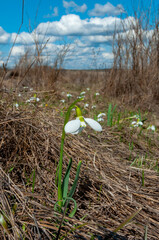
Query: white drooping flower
{"points": [[69, 95], [100, 117], [82, 93], [33, 99], [93, 106], [151, 127], [81, 97], [77, 125], [88, 89], [86, 105], [62, 100], [16, 105], [137, 123], [97, 94]]}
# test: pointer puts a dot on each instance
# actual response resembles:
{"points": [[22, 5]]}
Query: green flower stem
{"points": [[60, 197]]}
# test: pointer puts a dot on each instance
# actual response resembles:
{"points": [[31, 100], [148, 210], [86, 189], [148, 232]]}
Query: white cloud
{"points": [[72, 25], [73, 7], [22, 38], [108, 8], [30, 38], [107, 55], [54, 14], [99, 39], [18, 51], [4, 36]]}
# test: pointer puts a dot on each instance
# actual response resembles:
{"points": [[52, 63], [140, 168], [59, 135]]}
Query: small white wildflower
{"points": [[33, 99], [69, 95], [62, 100], [151, 127], [25, 87], [100, 119], [136, 123], [16, 105], [101, 115], [97, 94], [82, 93], [80, 97], [19, 95], [86, 105], [94, 106], [31, 89], [88, 89], [77, 125]]}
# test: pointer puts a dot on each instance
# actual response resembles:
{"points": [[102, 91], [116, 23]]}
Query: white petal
{"points": [[93, 124], [78, 131], [72, 126]]}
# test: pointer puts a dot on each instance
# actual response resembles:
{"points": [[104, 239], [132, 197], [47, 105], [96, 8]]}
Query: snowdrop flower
{"points": [[80, 97], [94, 106], [77, 125], [86, 105], [33, 99], [19, 95], [97, 94], [137, 123], [152, 127], [62, 100], [16, 105], [101, 115], [82, 93], [100, 119], [69, 95], [88, 89]]}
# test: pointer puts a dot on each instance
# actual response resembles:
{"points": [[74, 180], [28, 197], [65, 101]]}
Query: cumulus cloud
{"points": [[54, 14], [30, 38], [4, 36], [22, 38], [99, 39], [18, 51], [107, 9], [73, 7], [72, 25]]}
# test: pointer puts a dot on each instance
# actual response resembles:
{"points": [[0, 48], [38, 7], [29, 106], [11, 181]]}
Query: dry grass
{"points": [[109, 188], [135, 73]]}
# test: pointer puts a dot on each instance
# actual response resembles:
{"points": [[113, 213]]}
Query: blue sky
{"points": [[87, 26]]}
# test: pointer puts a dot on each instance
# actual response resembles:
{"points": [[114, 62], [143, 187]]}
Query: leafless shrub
{"points": [[134, 75]]}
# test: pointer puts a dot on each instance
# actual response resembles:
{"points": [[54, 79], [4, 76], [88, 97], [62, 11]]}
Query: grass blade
{"points": [[66, 180], [75, 181], [109, 115], [127, 220]]}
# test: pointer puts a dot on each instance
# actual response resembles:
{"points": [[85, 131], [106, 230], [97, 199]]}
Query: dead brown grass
{"points": [[109, 189], [135, 73]]}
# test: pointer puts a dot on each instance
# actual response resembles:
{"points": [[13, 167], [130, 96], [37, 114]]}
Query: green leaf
{"points": [[75, 181], [66, 180], [67, 200], [109, 115], [112, 113]]}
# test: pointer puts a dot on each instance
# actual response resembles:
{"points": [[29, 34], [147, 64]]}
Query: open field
{"points": [[119, 175]]}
